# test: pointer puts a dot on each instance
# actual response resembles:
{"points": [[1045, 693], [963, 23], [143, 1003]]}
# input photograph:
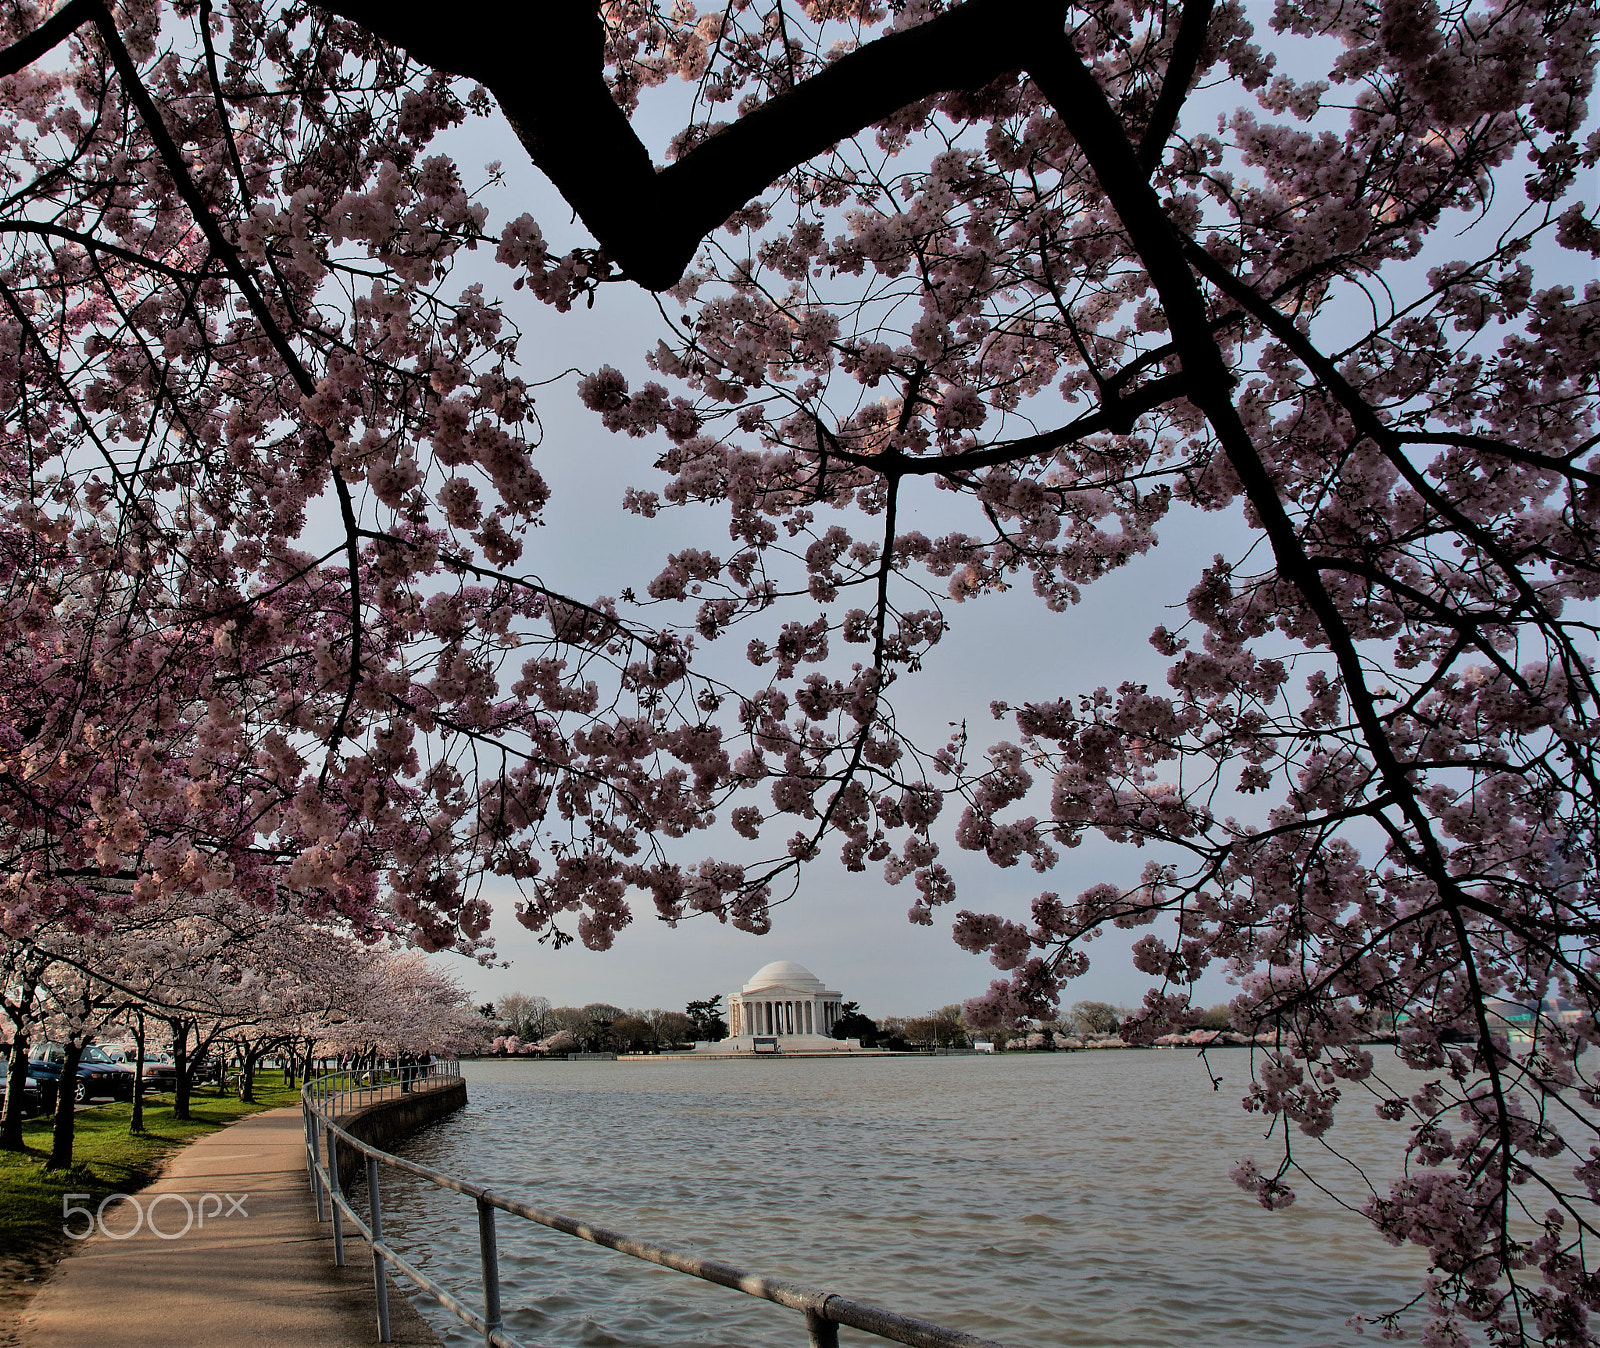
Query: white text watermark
{"points": [[144, 1214]]}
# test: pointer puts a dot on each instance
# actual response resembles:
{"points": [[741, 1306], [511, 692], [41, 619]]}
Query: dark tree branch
{"points": [[545, 65], [1067, 82], [233, 263], [53, 31], [224, 122], [1116, 416], [1368, 423], [1187, 49], [92, 244], [1502, 449], [1069, 85], [204, 216]]}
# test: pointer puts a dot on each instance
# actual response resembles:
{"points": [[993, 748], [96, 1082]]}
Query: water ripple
{"points": [[1043, 1200]]}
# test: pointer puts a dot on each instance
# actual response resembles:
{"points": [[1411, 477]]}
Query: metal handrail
{"points": [[824, 1311]]}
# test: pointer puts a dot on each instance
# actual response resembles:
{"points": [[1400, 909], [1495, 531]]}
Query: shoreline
{"points": [[1169, 1043]]}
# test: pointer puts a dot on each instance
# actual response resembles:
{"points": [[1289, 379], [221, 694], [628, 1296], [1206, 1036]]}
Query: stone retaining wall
{"points": [[387, 1121]]}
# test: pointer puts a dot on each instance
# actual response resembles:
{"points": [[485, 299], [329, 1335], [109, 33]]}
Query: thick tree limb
{"points": [[1187, 49], [1067, 82], [544, 64], [53, 31]]}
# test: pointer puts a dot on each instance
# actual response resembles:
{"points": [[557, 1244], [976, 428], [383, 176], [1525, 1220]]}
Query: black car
{"points": [[98, 1077]]}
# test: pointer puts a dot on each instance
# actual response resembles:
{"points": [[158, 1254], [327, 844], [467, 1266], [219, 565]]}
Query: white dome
{"points": [[784, 973]]}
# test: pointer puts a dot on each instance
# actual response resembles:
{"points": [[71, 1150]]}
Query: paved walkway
{"points": [[266, 1280]]}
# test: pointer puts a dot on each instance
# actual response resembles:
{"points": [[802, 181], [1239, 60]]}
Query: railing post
{"points": [[334, 1194], [491, 1271], [311, 1156], [316, 1179], [820, 1331], [380, 1277]]}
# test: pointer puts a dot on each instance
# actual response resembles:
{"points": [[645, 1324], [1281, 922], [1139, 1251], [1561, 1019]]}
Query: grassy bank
{"points": [[107, 1159]]}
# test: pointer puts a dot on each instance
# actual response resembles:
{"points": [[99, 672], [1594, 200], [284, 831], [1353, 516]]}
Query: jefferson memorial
{"points": [[787, 1002]]}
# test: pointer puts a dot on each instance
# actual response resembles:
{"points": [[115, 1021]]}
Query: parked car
{"points": [[98, 1077], [160, 1072]]}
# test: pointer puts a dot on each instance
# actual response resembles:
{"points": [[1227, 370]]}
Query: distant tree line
{"points": [[948, 1028], [531, 1024]]}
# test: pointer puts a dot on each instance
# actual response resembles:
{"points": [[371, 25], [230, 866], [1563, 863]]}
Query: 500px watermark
{"points": [[194, 1214]]}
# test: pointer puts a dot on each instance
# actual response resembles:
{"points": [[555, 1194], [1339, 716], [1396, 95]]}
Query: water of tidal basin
{"points": [[1038, 1199]]}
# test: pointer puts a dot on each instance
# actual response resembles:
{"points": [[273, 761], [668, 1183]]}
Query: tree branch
{"points": [[51, 33], [1064, 79], [650, 221], [256, 300], [1187, 49]]}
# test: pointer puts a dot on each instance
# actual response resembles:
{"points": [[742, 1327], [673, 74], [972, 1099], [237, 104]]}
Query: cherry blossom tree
{"points": [[1079, 269], [208, 702], [76, 1007], [232, 978], [337, 997], [395, 1003]]}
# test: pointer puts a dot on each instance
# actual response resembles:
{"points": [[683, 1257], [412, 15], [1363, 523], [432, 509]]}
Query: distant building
{"points": [[787, 1002], [1519, 1020]]}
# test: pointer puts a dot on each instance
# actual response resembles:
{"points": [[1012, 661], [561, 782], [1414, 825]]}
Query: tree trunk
{"points": [[66, 1107], [247, 1075], [180, 1067], [16, 1093], [136, 1123], [19, 1013]]}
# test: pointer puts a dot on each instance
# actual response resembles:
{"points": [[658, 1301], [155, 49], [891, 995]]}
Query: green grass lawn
{"points": [[107, 1158]]}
